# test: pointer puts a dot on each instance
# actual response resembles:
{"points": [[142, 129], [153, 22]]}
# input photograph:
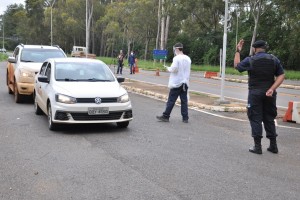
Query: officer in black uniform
{"points": [[265, 75]]}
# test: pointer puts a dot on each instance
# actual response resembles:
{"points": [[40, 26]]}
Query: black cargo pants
{"points": [[262, 109]]}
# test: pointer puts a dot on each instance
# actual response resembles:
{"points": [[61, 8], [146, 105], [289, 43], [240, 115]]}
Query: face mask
{"points": [[174, 51], [131, 53]]}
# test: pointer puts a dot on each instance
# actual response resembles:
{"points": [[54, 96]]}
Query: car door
{"points": [[41, 86]]}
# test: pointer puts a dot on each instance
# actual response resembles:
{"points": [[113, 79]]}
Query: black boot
{"points": [[257, 146], [273, 146]]}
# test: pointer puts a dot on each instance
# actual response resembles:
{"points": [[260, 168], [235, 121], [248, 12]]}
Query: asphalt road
{"points": [[207, 158], [232, 90]]}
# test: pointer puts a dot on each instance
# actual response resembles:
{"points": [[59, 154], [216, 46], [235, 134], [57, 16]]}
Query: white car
{"points": [[80, 90]]}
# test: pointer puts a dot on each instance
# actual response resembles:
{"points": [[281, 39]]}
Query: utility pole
{"points": [[52, 22], [222, 100], [3, 32], [86, 29]]}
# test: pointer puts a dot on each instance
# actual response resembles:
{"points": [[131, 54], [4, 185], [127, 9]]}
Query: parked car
{"points": [[78, 51], [3, 50], [22, 66], [80, 90]]}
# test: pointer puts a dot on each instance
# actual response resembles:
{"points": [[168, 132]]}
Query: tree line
{"points": [[145, 25]]}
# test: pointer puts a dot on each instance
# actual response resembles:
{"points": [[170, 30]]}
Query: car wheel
{"points": [[37, 109], [52, 126], [7, 82], [18, 97], [123, 124]]}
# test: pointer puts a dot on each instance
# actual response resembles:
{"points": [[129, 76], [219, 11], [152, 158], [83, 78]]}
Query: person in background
{"points": [[178, 83], [120, 62], [131, 62], [265, 74]]}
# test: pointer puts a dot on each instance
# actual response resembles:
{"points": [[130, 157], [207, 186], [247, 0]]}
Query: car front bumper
{"points": [[78, 113]]}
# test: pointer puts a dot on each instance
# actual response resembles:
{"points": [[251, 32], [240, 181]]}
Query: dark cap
{"points": [[260, 44], [178, 45]]}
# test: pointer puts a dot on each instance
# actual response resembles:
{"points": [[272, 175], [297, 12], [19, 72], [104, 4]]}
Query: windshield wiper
{"points": [[100, 80], [27, 61], [70, 79]]}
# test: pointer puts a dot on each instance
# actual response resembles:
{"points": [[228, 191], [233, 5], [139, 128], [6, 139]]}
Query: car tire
{"points": [[7, 82], [18, 97], [37, 109], [52, 126], [123, 124]]}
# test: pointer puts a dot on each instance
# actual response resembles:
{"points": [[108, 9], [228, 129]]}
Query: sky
{"points": [[5, 3]]}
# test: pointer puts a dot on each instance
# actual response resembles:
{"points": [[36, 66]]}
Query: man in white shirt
{"points": [[178, 83]]}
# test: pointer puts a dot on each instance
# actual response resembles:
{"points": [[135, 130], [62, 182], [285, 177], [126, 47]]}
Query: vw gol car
{"points": [[80, 90], [24, 64]]}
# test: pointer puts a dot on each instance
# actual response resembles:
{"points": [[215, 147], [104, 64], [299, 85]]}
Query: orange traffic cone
{"points": [[136, 68], [289, 112]]}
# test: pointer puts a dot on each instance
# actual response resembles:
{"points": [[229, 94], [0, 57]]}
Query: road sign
{"points": [[160, 54]]}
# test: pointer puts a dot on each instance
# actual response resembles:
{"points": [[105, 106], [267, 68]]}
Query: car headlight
{"points": [[65, 99], [26, 73], [123, 99]]}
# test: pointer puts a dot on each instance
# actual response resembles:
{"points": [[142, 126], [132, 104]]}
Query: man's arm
{"points": [[237, 56], [275, 85]]}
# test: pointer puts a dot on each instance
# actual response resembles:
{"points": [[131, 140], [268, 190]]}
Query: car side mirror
{"points": [[11, 59], [43, 79], [120, 79]]}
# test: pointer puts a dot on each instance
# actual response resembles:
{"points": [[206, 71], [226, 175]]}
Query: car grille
{"points": [[85, 116], [92, 100]]}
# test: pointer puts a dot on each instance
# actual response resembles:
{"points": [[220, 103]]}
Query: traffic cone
{"points": [[288, 115], [136, 68]]}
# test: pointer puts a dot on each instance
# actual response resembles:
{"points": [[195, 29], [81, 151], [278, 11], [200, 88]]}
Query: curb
{"points": [[191, 103]]}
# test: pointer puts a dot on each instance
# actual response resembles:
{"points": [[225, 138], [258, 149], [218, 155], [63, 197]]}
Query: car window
{"points": [[40, 55], [16, 53], [43, 68], [68, 71], [48, 71]]}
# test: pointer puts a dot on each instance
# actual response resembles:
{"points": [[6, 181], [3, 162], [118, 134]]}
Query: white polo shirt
{"points": [[180, 71]]}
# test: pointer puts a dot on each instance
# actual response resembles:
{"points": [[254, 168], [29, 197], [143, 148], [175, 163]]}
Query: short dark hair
{"points": [[178, 46]]}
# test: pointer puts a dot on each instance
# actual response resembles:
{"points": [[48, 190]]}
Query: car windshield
{"points": [[40, 55], [83, 71]]}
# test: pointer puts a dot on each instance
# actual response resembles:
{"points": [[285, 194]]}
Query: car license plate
{"points": [[98, 111]]}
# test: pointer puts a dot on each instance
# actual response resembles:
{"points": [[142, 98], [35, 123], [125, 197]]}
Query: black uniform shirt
{"points": [[244, 65]]}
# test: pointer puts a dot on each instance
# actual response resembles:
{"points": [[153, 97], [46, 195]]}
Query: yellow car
{"points": [[24, 64]]}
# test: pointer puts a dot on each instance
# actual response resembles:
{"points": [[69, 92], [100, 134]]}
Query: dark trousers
{"points": [[173, 95], [120, 67], [132, 68], [262, 109]]}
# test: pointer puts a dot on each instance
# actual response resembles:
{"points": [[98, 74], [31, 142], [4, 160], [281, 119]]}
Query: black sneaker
{"points": [[185, 121], [162, 118]]}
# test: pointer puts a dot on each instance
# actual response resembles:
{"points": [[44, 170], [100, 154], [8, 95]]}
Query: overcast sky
{"points": [[5, 3]]}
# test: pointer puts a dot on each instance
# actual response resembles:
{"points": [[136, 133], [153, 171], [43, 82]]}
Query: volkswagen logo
{"points": [[97, 100]]}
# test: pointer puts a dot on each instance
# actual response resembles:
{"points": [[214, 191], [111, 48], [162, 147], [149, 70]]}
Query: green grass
{"points": [[150, 65], [3, 57]]}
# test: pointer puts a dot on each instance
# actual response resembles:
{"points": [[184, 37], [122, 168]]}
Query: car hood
{"points": [[31, 66], [90, 89]]}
